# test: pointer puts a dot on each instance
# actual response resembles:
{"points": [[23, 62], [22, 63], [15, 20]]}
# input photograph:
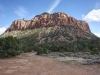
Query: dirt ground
{"points": [[31, 64]]}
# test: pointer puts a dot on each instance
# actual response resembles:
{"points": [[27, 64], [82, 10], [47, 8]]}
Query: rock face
{"points": [[48, 20]]}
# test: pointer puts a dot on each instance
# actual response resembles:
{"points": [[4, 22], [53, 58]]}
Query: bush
{"points": [[45, 51], [40, 51], [87, 49], [24, 49], [95, 51], [61, 50], [9, 47]]}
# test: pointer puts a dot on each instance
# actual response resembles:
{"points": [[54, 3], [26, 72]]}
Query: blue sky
{"points": [[88, 10]]}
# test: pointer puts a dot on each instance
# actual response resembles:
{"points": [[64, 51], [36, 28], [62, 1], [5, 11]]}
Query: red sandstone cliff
{"points": [[48, 20]]}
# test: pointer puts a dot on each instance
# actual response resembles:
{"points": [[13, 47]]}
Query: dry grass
{"points": [[31, 64]]}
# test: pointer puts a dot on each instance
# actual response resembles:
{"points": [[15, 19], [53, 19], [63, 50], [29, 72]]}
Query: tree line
{"points": [[11, 46]]}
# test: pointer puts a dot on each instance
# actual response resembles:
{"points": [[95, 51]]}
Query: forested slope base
{"points": [[82, 45]]}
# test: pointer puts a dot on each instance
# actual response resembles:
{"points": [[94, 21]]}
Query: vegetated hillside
{"points": [[51, 34], [54, 32]]}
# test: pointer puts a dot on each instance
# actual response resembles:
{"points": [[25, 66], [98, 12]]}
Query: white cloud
{"points": [[93, 15], [2, 30], [21, 11], [97, 34], [54, 5]]}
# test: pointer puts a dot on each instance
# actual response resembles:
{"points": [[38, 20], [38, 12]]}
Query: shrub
{"points": [[87, 49], [24, 49], [95, 51], [40, 51], [61, 50], [45, 51], [9, 47]]}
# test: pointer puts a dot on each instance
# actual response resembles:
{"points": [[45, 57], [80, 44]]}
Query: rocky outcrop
{"points": [[48, 20]]}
